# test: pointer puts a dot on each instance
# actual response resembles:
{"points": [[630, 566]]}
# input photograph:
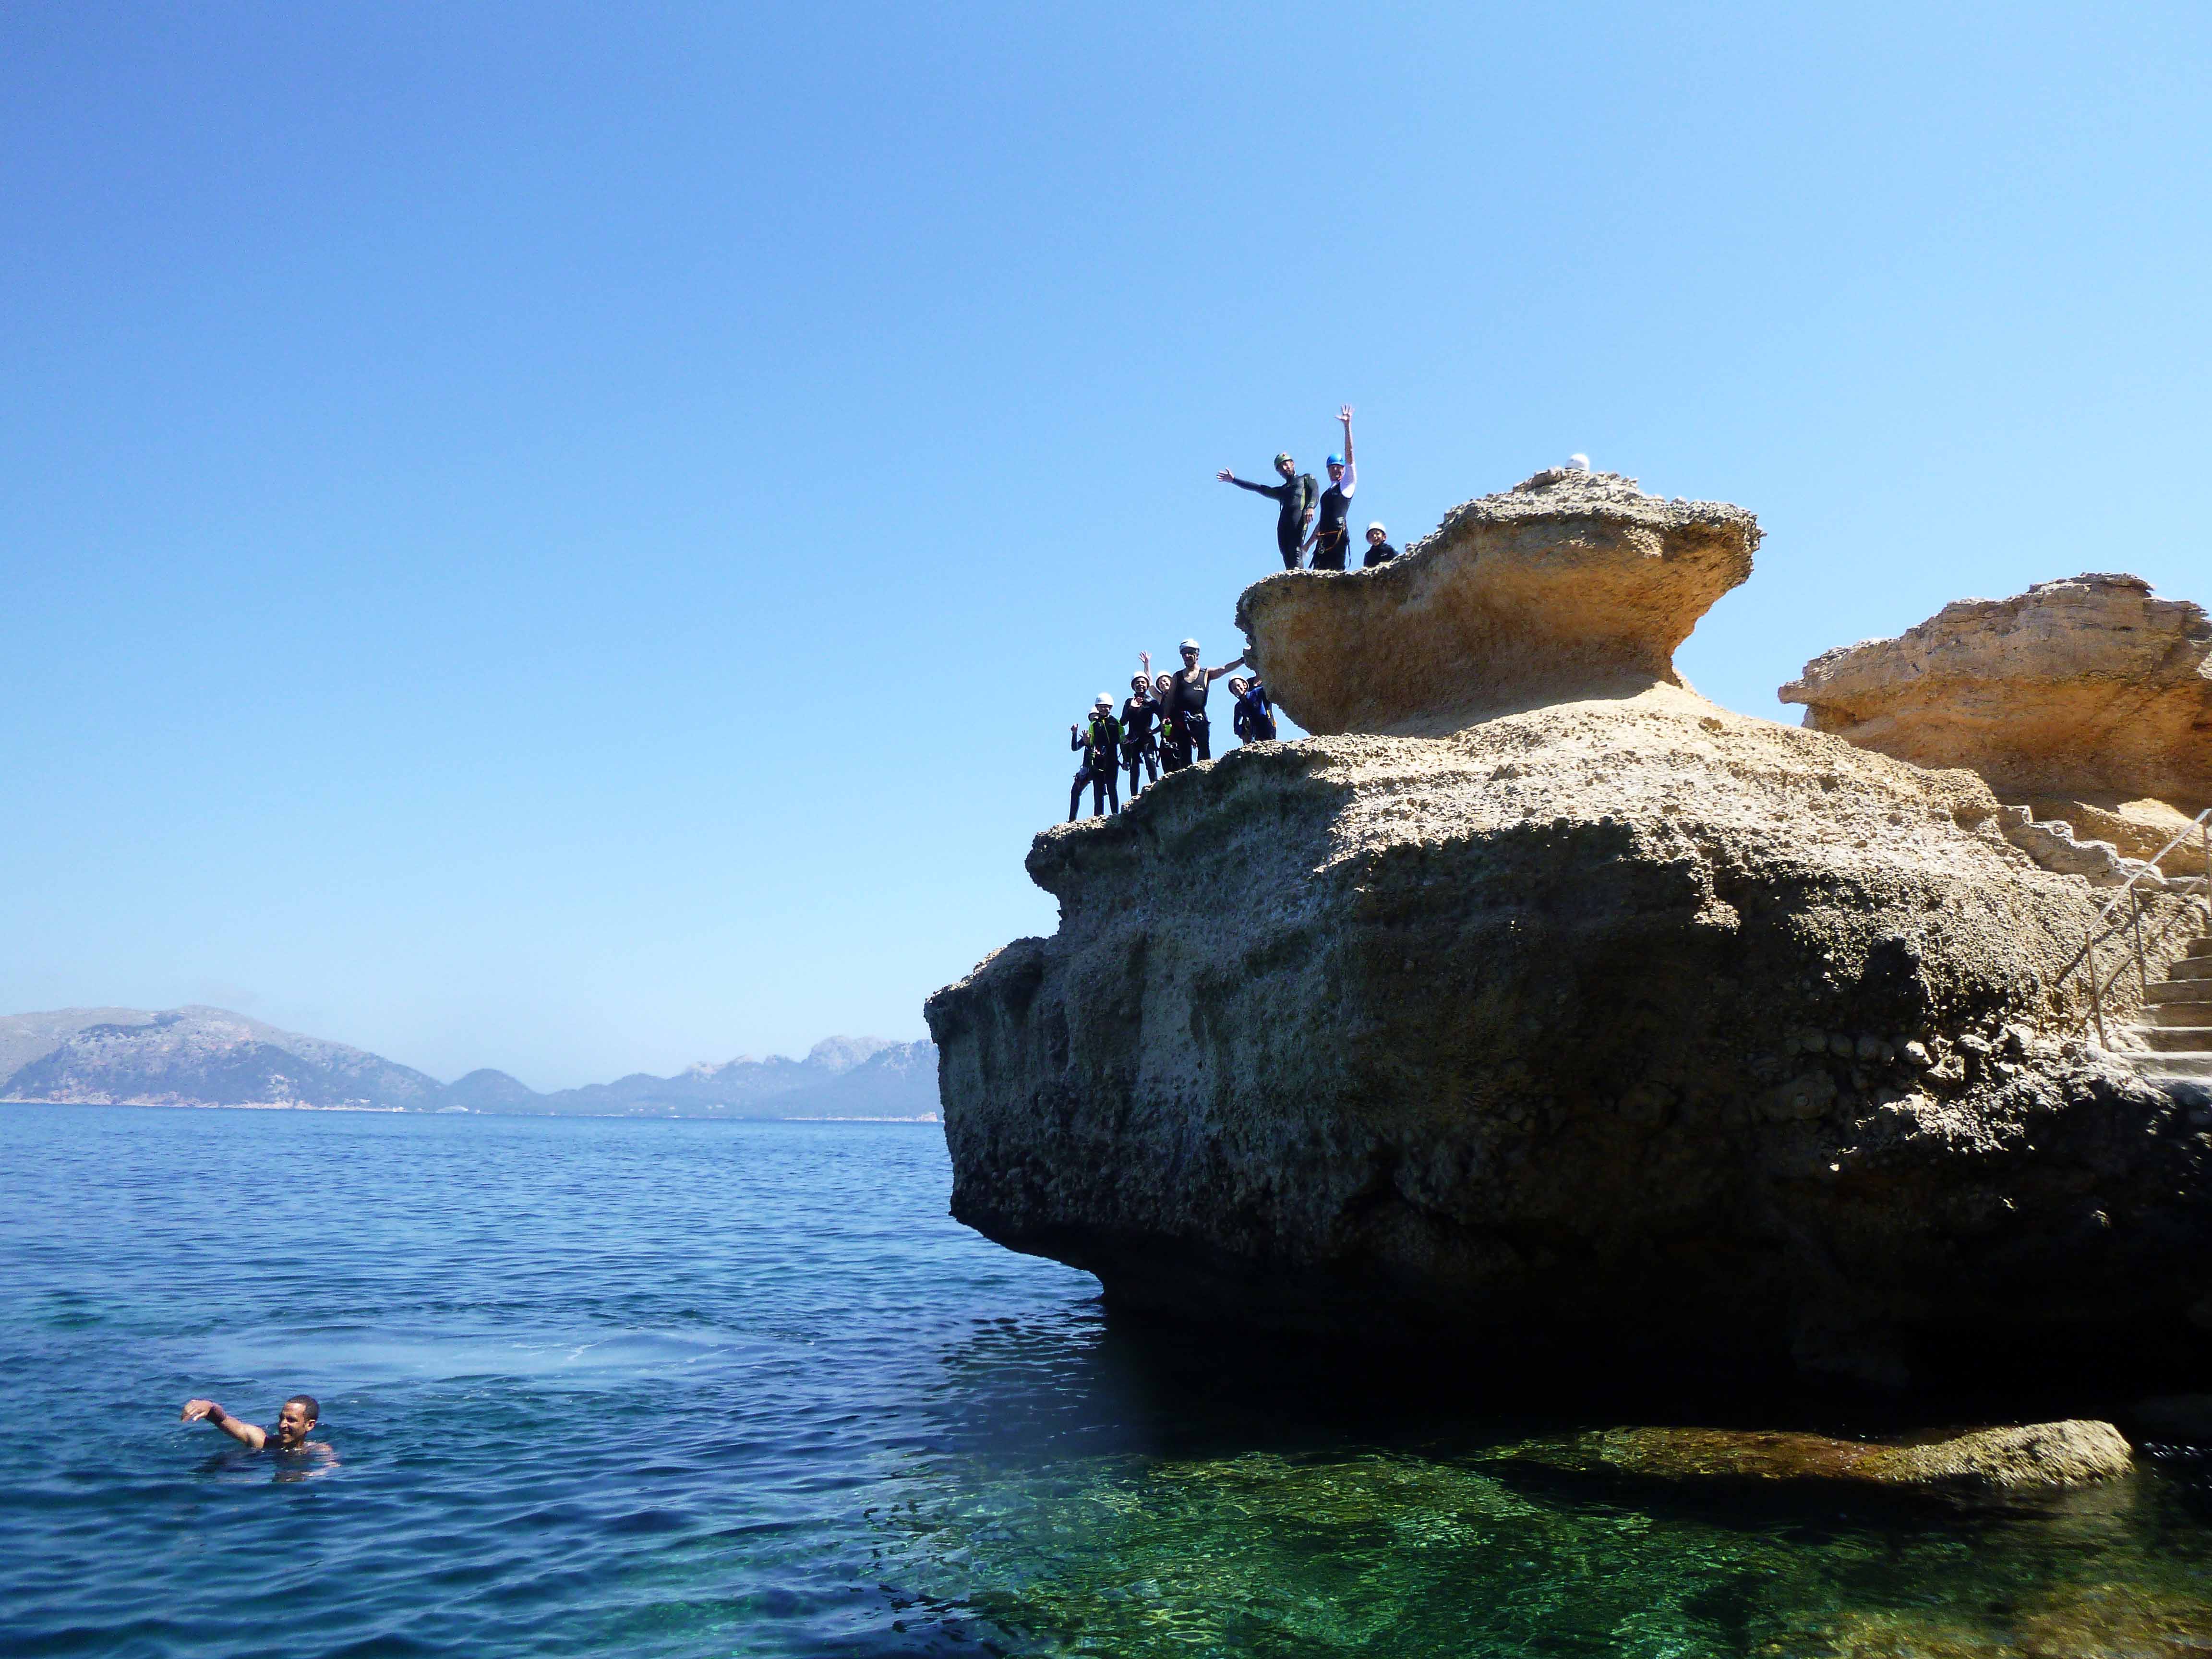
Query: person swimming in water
{"points": [[295, 1422], [1294, 498], [1100, 740], [1330, 536], [1140, 716]]}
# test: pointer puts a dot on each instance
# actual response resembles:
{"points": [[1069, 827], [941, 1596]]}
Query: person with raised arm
{"points": [[1330, 536], [1294, 500], [295, 1422], [1140, 716], [1186, 702]]}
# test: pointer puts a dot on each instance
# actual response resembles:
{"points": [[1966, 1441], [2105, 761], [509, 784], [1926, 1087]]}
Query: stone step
{"points": [[2187, 1016], [2180, 990], [2201, 945], [2171, 1068], [2176, 1039], [2192, 968]]}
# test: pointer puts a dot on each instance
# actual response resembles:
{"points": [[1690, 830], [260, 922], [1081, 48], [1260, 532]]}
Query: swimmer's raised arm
{"points": [[251, 1434]]}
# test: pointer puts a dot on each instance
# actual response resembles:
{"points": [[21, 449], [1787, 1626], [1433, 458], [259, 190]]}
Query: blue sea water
{"points": [[673, 1388]]}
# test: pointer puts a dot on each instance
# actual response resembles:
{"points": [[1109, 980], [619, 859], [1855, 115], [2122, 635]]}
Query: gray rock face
{"points": [[1618, 1026]]}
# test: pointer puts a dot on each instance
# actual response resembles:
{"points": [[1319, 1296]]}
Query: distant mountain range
{"points": [[199, 1056]]}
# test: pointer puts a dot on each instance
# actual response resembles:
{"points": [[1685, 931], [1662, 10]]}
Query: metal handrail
{"points": [[2201, 826]]}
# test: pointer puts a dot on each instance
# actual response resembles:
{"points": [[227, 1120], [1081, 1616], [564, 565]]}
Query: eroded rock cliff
{"points": [[1615, 1024]]}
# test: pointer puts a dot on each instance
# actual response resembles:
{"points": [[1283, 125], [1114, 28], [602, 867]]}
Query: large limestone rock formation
{"points": [[1573, 584], [1613, 1024], [2089, 689]]}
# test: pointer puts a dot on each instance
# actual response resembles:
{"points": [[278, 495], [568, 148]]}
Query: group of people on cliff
{"points": [[1162, 727], [1311, 521]]}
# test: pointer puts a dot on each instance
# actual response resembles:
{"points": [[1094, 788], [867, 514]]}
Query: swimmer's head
{"points": [[1285, 464], [1336, 466], [297, 1420], [1188, 647]]}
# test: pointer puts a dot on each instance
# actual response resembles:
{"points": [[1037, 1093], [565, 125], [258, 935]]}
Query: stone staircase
{"points": [[2177, 1029]]}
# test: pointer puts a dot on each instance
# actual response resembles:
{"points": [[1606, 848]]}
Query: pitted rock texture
{"points": [[2087, 688], [1619, 1027], [1573, 584], [2141, 830], [2075, 1453]]}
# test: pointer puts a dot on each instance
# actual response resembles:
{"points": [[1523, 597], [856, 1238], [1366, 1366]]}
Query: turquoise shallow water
{"points": [[652, 1389]]}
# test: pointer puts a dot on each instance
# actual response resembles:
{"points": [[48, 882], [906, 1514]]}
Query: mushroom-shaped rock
{"points": [[1573, 584], [2089, 688]]}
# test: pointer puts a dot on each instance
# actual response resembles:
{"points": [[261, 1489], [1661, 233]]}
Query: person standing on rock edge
{"points": [[1186, 702], [1379, 550], [1255, 718], [1330, 536], [1294, 497], [1175, 748], [1141, 714], [1101, 743]]}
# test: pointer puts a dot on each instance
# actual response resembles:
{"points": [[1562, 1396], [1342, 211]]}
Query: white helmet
{"points": [[1578, 462], [1105, 701], [1372, 528], [1187, 645]]}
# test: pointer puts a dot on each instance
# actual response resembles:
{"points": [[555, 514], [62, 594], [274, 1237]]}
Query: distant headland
{"points": [[203, 1056]]}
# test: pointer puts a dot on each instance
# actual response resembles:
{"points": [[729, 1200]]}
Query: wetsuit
{"points": [[1186, 715], [1140, 743], [1378, 553], [1101, 744], [1296, 499], [1255, 721], [1330, 535]]}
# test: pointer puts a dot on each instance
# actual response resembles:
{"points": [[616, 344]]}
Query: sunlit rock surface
{"points": [[2067, 1453], [1615, 1026], [2092, 690], [1569, 585]]}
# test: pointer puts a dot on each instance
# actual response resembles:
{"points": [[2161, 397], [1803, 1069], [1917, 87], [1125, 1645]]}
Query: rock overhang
{"points": [[1571, 584], [2091, 687]]}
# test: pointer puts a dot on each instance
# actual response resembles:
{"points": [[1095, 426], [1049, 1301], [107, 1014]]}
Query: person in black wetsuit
{"points": [[1100, 740], [1294, 496], [1186, 703], [1140, 743], [1255, 718], [1175, 746], [1379, 550], [1330, 536]]}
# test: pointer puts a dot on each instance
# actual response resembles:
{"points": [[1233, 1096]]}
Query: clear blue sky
{"points": [[569, 538]]}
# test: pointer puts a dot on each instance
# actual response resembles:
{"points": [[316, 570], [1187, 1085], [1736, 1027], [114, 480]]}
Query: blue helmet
{"points": [[1336, 460]]}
